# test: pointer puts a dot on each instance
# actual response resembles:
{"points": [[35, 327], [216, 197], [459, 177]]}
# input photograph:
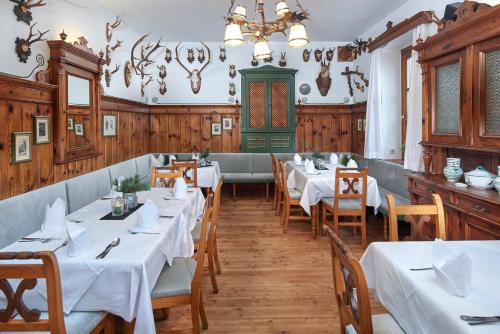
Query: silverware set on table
{"points": [[108, 248], [475, 320], [42, 240]]}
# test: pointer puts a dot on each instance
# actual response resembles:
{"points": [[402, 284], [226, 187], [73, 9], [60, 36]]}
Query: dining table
{"points": [[403, 279], [208, 175], [322, 183], [120, 283]]}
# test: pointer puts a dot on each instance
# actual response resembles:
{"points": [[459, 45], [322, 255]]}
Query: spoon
{"points": [[143, 232], [64, 244], [113, 243]]}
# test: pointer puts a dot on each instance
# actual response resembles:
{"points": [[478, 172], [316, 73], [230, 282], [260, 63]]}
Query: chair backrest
{"points": [[351, 290], [189, 169], [351, 183], [28, 274], [275, 172], [418, 216], [166, 176], [202, 244], [283, 176], [217, 199]]}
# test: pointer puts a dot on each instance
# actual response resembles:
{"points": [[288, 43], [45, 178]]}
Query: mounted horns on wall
{"points": [[110, 27], [144, 84], [324, 80], [190, 57], [349, 74], [222, 54], [110, 49], [168, 56], [143, 61], [201, 55], [22, 9], [255, 61], [232, 89], [306, 55], [232, 71], [329, 54], [318, 54], [163, 87], [109, 74], [194, 75], [358, 47], [23, 45], [162, 72], [282, 61]]}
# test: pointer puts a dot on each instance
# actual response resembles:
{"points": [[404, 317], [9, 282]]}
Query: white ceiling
{"points": [[189, 20]]}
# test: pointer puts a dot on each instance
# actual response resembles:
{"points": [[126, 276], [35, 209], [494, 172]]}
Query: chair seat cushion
{"points": [[295, 193], [384, 207], [197, 231], [175, 280], [349, 203], [238, 177], [382, 324], [76, 322]]}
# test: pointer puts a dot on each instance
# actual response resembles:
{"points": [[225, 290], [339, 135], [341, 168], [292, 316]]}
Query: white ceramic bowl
{"points": [[479, 179]]}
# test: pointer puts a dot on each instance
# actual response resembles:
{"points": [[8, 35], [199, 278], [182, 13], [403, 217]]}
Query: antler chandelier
{"points": [[237, 26]]}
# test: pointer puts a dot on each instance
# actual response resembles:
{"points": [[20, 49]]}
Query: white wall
{"points": [[90, 19]]}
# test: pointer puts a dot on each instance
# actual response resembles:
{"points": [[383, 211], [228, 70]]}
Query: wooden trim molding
{"points": [[401, 28], [195, 109], [22, 90], [119, 104], [322, 109]]}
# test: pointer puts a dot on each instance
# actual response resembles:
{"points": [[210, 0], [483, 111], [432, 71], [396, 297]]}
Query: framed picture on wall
{"points": [[79, 129], [21, 147], [42, 129], [216, 129], [71, 125], [108, 125], [360, 124], [227, 123]]}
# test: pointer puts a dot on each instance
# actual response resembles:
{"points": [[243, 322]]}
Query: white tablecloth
{"points": [[315, 187], [121, 283], [208, 177], [414, 297]]}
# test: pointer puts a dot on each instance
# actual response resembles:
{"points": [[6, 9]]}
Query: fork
{"points": [[42, 240]]}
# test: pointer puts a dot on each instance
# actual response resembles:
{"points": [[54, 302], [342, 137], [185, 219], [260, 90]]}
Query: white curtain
{"points": [[413, 158], [373, 135]]}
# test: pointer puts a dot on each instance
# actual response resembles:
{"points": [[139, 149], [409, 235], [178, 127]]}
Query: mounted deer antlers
{"points": [[144, 60], [324, 81], [194, 75], [349, 74], [163, 87], [109, 74], [112, 26], [110, 49], [201, 55], [23, 45], [23, 9], [144, 84]]}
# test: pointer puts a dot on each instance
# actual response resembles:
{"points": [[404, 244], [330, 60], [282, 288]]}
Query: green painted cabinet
{"points": [[268, 109]]}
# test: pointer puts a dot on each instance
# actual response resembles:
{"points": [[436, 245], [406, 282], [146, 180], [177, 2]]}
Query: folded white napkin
{"points": [[309, 165], [453, 270], [334, 159], [195, 156], [78, 240], [147, 217], [180, 188], [171, 158], [297, 159], [352, 164], [157, 162], [55, 218]]}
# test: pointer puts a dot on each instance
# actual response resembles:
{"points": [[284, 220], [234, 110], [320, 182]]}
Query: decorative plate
{"points": [[304, 99], [346, 99], [305, 89]]}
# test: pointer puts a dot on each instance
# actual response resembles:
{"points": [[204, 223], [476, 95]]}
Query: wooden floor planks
{"points": [[270, 282]]}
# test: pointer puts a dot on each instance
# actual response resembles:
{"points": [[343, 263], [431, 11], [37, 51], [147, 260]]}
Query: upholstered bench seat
{"points": [[400, 200], [176, 279]]}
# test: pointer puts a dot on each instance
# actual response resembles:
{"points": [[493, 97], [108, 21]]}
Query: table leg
{"points": [[314, 220]]}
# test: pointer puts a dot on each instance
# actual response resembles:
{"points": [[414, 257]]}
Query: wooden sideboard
{"points": [[471, 214]]}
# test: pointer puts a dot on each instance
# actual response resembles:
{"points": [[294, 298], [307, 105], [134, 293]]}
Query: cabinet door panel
{"points": [[279, 105], [257, 104], [487, 101]]}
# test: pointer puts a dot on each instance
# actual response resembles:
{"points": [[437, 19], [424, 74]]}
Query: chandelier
{"points": [[237, 26]]}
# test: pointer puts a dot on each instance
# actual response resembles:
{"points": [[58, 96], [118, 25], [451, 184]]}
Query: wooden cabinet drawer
{"points": [[480, 208], [479, 229], [426, 189]]}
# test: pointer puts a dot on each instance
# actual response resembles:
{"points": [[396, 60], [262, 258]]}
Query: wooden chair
{"points": [[292, 199], [180, 283], [278, 186], [348, 202], [418, 216], [32, 320], [185, 167], [212, 251], [166, 175], [351, 294]]}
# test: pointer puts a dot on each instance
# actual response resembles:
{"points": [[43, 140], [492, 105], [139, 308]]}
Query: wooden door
{"points": [[486, 110], [268, 110]]}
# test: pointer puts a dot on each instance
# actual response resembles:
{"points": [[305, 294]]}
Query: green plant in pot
{"points": [[319, 160], [204, 157], [129, 187]]}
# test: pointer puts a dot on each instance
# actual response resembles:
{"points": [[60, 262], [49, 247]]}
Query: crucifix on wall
{"points": [[349, 74]]}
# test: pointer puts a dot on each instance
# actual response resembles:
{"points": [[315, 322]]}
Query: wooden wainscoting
{"points": [[330, 128], [189, 128], [20, 100]]}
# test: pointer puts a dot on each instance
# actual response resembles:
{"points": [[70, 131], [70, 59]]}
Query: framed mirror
{"points": [[78, 91]]}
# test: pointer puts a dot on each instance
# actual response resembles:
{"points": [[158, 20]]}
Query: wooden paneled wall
{"points": [[329, 128], [20, 100], [189, 128]]}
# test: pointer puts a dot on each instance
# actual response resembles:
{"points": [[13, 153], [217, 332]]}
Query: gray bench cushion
{"points": [[176, 279], [262, 163], [238, 178], [125, 168], [263, 177], [23, 214], [400, 200], [390, 176], [143, 167], [87, 188], [233, 163]]}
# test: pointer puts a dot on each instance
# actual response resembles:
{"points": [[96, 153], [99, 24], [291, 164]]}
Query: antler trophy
{"points": [[194, 75], [109, 74], [23, 9], [109, 51], [112, 26], [23, 45], [144, 60]]}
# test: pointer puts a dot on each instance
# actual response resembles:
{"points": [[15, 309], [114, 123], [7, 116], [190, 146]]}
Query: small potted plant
{"points": [[204, 157], [129, 187], [319, 160]]}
